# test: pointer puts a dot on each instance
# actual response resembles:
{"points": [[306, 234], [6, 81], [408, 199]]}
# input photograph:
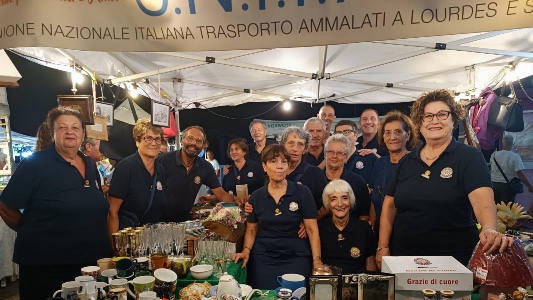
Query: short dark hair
{"points": [[273, 151], [186, 130], [346, 122], [241, 144], [417, 110], [56, 112]]}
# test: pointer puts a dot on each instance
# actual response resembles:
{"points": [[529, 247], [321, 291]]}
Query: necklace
{"points": [[430, 158], [438, 148], [340, 225], [277, 211], [187, 167]]}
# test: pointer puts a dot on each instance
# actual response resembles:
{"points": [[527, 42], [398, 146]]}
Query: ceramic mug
{"points": [[148, 295], [69, 290], [91, 296], [165, 279], [160, 260], [105, 264], [142, 264], [87, 284], [100, 289], [108, 275], [141, 284], [117, 293], [291, 281], [143, 273], [90, 271], [125, 268]]}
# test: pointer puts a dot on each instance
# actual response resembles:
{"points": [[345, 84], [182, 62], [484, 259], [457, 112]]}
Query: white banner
{"points": [[277, 127], [199, 25]]}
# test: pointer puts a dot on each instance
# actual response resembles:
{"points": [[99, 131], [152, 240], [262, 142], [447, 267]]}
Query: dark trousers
{"points": [[503, 192], [40, 282]]}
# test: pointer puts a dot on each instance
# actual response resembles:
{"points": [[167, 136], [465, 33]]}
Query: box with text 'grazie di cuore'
{"points": [[416, 273]]}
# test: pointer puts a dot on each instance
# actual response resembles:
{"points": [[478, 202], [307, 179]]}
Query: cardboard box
{"points": [[415, 273]]}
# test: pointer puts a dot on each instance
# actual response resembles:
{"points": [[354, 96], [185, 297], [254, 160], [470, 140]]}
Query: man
{"points": [[185, 173], [211, 159], [163, 148], [91, 148], [337, 148], [368, 142], [357, 163], [258, 131], [316, 128], [327, 114], [512, 166]]}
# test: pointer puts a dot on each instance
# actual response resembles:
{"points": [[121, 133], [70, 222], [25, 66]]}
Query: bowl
{"points": [[201, 271]]}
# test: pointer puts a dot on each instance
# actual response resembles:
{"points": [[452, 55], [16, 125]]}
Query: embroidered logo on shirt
{"points": [[446, 172], [159, 186], [359, 165], [197, 180], [355, 252], [250, 174], [293, 206]]}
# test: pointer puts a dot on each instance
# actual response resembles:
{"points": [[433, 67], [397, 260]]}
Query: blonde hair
{"points": [[141, 128]]}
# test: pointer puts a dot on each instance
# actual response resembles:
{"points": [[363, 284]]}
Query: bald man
{"points": [[327, 114]]}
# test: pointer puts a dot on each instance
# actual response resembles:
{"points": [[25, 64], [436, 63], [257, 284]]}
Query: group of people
{"points": [[320, 196]]}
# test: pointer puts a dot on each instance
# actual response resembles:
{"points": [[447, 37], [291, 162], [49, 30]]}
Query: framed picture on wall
{"points": [[5, 159], [85, 102], [160, 114], [105, 110]]}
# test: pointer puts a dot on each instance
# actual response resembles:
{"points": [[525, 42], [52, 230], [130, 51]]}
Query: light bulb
{"points": [[134, 92], [77, 77], [287, 105]]}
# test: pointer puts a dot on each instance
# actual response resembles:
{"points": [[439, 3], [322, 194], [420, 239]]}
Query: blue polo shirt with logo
{"points": [[312, 177], [250, 174], [361, 165]]}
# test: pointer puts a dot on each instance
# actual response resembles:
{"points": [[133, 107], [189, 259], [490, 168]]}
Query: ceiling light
{"points": [[287, 105]]}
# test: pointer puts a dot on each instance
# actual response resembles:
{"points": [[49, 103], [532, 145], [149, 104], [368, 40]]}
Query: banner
{"points": [[194, 25], [276, 127]]}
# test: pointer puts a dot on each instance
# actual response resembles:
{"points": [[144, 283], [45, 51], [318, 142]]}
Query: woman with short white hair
{"points": [[346, 242]]}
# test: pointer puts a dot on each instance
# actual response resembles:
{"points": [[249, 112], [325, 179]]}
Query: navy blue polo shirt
{"points": [[373, 144], [312, 160], [133, 184], [434, 214], [312, 177], [65, 215], [255, 156], [251, 174], [381, 175], [296, 205], [182, 188], [351, 253], [361, 165], [360, 190]]}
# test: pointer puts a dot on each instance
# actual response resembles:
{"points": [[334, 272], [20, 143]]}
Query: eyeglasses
{"points": [[335, 153], [193, 140], [344, 132], [441, 116], [150, 139]]}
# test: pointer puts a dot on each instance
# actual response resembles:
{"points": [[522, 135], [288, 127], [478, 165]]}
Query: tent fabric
{"points": [[370, 72]]}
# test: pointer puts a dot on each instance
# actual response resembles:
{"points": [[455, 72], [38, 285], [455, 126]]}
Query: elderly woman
{"points": [[345, 241], [243, 170], [337, 149], [62, 226], [396, 133], [271, 243], [428, 205], [136, 194]]}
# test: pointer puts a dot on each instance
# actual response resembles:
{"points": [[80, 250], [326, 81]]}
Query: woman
{"points": [[44, 138], [136, 195], [428, 206], [62, 228], [396, 133], [345, 241], [242, 171], [271, 243]]}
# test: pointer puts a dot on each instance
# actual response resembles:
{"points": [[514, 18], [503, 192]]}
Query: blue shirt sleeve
{"points": [[309, 210], [20, 188], [475, 173], [120, 184], [252, 217], [211, 179]]}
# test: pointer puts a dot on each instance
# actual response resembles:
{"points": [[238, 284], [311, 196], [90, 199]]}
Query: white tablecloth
{"points": [[7, 243]]}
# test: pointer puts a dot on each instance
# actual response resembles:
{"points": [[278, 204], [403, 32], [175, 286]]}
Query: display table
{"points": [[234, 269]]}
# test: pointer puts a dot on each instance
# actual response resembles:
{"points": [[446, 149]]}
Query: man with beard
{"points": [[258, 131], [185, 173], [327, 114], [91, 148], [316, 129], [368, 142]]}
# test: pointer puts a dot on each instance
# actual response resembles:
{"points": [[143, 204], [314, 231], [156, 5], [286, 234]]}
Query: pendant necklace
{"points": [[426, 174], [187, 167], [340, 224], [277, 211]]}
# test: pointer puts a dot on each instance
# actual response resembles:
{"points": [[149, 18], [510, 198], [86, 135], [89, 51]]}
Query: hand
{"points": [[245, 256], [105, 189], [226, 170], [364, 152], [203, 199], [493, 241], [317, 263], [302, 233], [379, 254], [248, 208], [240, 201]]}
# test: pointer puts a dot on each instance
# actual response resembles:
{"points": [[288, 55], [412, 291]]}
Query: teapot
{"points": [[227, 285]]}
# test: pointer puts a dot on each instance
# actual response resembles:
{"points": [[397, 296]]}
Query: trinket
{"points": [[340, 237], [426, 174], [277, 212], [87, 183]]}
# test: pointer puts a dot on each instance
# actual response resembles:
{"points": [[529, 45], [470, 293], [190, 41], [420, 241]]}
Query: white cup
{"points": [[87, 284], [69, 290], [91, 296], [100, 289], [109, 275], [148, 295]]}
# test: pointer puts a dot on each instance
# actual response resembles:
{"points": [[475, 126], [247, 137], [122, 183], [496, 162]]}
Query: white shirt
{"points": [[215, 164], [510, 163]]}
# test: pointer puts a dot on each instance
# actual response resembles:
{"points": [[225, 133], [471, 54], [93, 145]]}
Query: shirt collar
{"points": [[61, 159], [449, 149], [350, 227], [292, 189], [179, 161]]}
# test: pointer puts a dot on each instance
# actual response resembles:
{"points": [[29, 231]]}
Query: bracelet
{"points": [[247, 247], [381, 248], [317, 258]]}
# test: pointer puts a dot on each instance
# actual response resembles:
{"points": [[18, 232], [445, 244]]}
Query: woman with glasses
{"points": [[428, 204], [396, 133], [242, 171], [136, 194]]}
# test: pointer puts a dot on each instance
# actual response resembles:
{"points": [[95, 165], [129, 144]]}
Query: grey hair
{"points": [[257, 122], [338, 138], [315, 120], [299, 132], [508, 140], [337, 186], [88, 140]]}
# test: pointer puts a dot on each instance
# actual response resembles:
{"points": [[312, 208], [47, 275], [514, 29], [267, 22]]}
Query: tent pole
{"points": [[178, 135]]}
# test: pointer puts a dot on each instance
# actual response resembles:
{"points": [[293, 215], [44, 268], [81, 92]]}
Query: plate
{"points": [[213, 290], [245, 290], [276, 291], [299, 292]]}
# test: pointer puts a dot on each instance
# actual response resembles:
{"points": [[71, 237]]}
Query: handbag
{"points": [[515, 183], [128, 219], [507, 113]]}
